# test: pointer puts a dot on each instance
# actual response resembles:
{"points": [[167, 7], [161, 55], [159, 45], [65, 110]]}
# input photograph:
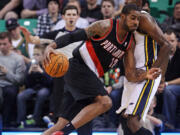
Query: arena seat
{"points": [[30, 24], [157, 6]]}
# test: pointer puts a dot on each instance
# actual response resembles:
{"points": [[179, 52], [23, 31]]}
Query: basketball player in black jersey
{"points": [[107, 41]]}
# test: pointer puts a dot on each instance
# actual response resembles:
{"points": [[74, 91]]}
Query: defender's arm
{"points": [[129, 64], [149, 26], [137, 75]]}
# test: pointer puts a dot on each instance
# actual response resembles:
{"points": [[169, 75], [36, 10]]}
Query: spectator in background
{"points": [[10, 14], [12, 70], [81, 22], [153, 121], [31, 8], [107, 9], [9, 5], [146, 6], [92, 12], [18, 41], [176, 28], [117, 3], [172, 19], [37, 84], [46, 22], [171, 88]]}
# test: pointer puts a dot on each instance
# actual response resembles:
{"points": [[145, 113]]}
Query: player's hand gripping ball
{"points": [[58, 66]]}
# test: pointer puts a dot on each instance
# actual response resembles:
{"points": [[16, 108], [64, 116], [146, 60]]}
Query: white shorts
{"points": [[136, 97]]}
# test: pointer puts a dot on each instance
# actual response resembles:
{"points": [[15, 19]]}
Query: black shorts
{"points": [[70, 108], [81, 82]]}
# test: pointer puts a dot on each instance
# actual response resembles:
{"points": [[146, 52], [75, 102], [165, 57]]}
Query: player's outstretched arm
{"points": [[149, 26], [99, 28], [137, 75]]}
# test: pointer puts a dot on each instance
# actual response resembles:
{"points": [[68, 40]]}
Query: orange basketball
{"points": [[58, 66]]}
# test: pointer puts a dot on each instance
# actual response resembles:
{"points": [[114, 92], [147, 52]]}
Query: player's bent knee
{"points": [[105, 102]]}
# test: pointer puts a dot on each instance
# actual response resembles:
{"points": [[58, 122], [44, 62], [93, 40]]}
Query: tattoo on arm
{"points": [[99, 28]]}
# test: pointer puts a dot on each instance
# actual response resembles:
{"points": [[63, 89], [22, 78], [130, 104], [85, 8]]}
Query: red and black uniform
{"points": [[91, 60], [102, 53]]}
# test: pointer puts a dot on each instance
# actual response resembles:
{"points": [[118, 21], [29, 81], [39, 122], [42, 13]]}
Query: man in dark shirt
{"points": [[171, 87], [92, 12]]}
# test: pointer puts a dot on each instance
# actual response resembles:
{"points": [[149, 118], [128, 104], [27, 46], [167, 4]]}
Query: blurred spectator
{"points": [[46, 22], [10, 14], [146, 6], [176, 28], [12, 70], [37, 84], [18, 41], [153, 121], [33, 8], [171, 88], [92, 12], [8, 5], [172, 19], [117, 3], [81, 22], [107, 9]]}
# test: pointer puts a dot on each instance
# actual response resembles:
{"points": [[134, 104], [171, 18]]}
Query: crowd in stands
{"points": [[26, 89]]}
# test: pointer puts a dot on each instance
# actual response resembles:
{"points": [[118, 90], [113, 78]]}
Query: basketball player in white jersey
{"points": [[137, 97]]}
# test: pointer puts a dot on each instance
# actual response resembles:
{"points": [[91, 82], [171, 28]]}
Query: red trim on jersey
{"points": [[100, 38], [94, 58], [117, 29], [130, 42]]}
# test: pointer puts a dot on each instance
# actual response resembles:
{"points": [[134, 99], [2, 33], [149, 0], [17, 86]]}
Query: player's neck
{"points": [[122, 32]]}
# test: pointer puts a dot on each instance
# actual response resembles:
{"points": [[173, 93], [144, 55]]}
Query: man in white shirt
{"points": [[81, 22]]}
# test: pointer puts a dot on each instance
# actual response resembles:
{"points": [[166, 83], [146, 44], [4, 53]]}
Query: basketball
{"points": [[58, 66]]}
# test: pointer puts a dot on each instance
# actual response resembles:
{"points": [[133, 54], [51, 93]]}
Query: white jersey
{"points": [[145, 50], [137, 97]]}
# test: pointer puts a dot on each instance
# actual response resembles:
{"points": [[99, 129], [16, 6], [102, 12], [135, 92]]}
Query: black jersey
{"points": [[101, 54]]}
